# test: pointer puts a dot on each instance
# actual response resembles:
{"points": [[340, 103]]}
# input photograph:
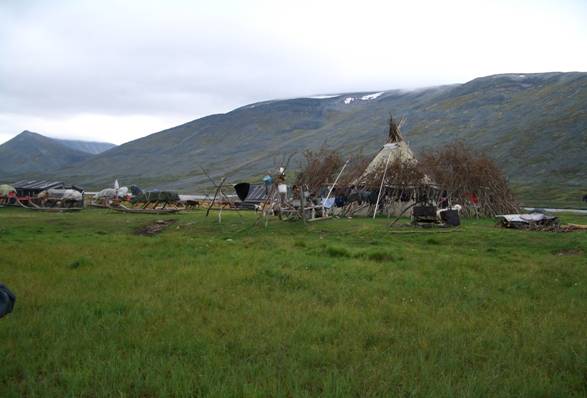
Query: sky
{"points": [[118, 70]]}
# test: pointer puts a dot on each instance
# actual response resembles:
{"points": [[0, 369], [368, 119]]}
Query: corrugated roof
{"points": [[257, 193], [41, 185], [251, 192], [37, 184]]}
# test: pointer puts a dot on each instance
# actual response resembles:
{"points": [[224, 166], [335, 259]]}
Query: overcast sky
{"points": [[118, 70]]}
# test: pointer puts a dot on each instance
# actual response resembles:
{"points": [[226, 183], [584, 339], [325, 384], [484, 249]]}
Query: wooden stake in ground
{"points": [[381, 186], [215, 195], [303, 203]]}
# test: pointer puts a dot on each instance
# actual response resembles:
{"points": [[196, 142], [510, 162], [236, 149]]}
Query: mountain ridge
{"points": [[534, 125], [30, 153], [92, 147]]}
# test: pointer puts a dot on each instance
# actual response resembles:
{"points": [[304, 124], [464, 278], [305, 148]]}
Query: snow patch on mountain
{"points": [[324, 96], [371, 96]]}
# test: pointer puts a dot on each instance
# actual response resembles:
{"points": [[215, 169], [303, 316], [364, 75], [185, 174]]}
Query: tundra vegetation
{"points": [[336, 308]]}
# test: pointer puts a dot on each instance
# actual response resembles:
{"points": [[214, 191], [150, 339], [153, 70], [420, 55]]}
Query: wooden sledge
{"points": [[124, 209], [98, 206], [49, 209]]}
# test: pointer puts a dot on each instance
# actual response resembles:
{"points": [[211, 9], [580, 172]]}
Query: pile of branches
{"points": [[318, 168], [469, 176], [354, 169]]}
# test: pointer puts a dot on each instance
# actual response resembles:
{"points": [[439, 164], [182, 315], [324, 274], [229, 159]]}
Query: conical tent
{"points": [[390, 153], [395, 150], [394, 175]]}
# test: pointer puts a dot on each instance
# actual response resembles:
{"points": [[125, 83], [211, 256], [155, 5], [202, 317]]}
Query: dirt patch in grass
{"points": [[154, 228], [570, 252]]}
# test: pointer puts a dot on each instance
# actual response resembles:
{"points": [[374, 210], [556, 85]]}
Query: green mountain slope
{"points": [[534, 125], [30, 153], [92, 147]]}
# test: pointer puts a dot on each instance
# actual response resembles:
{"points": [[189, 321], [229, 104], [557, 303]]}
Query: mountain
{"points": [[30, 154], [88, 146], [534, 125]]}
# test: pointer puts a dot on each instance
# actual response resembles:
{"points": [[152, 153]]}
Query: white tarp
{"points": [[110, 193], [525, 218], [62, 194]]}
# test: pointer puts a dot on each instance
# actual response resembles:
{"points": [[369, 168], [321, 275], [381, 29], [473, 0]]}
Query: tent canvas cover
{"points": [[392, 151]]}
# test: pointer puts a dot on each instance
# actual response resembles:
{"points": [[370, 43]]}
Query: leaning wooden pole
{"points": [[381, 186], [230, 201], [336, 180], [215, 195]]}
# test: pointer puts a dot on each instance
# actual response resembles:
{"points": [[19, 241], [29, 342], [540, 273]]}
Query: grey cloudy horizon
{"points": [[118, 70]]}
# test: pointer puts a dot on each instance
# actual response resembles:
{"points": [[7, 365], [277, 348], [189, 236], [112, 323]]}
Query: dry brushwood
{"points": [[318, 168], [469, 176], [355, 168]]}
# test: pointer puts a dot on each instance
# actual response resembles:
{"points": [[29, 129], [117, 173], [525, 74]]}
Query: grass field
{"points": [[550, 195], [336, 308]]}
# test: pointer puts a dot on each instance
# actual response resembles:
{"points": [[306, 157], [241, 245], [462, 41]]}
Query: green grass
{"points": [[551, 195], [334, 308]]}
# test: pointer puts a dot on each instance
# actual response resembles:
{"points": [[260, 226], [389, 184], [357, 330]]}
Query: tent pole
{"points": [[222, 193], [215, 195], [336, 180], [381, 186]]}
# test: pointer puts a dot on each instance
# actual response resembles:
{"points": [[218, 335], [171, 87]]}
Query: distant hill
{"points": [[88, 146], [30, 154], [534, 125]]}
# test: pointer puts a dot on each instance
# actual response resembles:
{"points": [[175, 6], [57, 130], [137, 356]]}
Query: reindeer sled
{"points": [[155, 202], [55, 200]]}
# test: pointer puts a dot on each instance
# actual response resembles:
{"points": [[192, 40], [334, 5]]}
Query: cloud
{"points": [[116, 63]]}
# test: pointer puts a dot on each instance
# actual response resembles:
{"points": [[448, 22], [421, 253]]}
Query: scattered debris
{"points": [[561, 228], [537, 222], [154, 228], [527, 221]]}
